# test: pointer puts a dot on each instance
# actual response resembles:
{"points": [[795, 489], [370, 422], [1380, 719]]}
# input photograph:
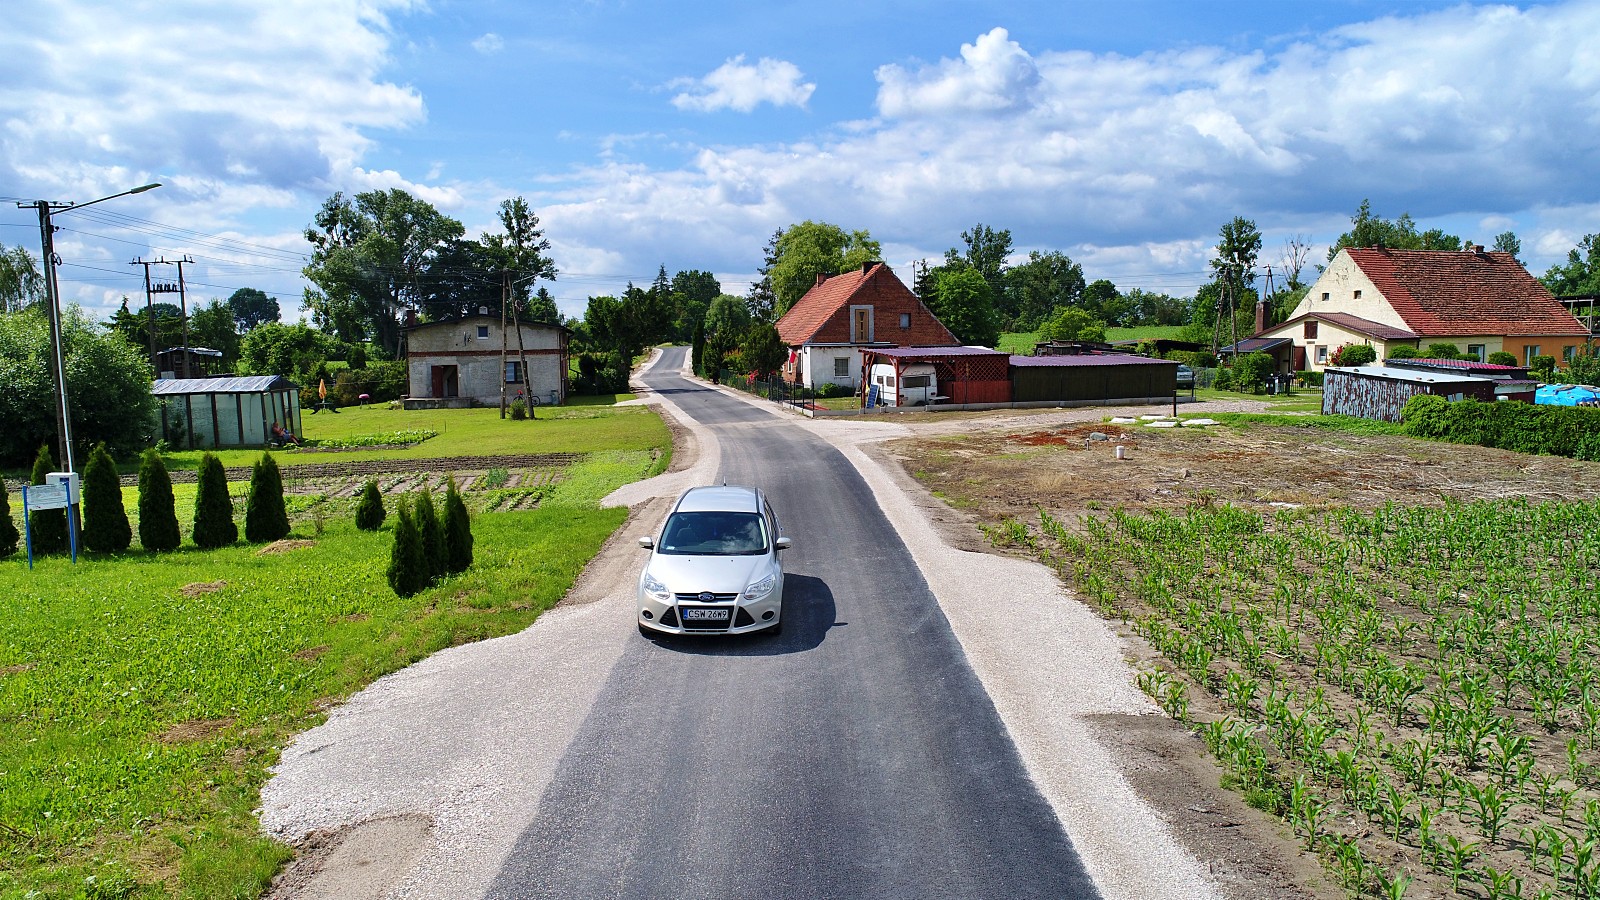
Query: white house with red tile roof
{"points": [[1480, 301], [842, 314]]}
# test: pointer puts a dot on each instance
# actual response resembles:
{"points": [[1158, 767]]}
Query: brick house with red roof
{"points": [[1480, 301], [868, 307]]}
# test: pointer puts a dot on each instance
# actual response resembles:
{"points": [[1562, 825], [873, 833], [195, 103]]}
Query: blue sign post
{"points": [[60, 491]]}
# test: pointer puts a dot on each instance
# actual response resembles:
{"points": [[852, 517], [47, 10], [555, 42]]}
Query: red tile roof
{"points": [[874, 284], [1455, 292]]}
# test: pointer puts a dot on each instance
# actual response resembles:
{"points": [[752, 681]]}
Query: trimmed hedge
{"points": [[1570, 431], [1310, 378]]}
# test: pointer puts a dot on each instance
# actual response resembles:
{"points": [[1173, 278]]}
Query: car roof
{"points": [[720, 498]]}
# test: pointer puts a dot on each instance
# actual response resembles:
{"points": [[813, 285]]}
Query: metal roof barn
{"points": [[1092, 378], [206, 413], [1381, 392]]}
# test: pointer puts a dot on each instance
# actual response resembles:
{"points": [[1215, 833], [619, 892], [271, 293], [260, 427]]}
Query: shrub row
{"points": [[425, 549], [1570, 431]]}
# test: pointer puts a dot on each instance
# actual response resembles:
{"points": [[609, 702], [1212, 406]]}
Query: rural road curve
{"points": [[916, 731]]}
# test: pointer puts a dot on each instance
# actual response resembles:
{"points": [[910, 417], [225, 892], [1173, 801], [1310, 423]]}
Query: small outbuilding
{"points": [[207, 413], [1380, 392], [958, 374], [1091, 378], [473, 361]]}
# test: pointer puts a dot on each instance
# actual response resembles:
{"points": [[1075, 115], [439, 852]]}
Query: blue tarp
{"points": [[1567, 395]]}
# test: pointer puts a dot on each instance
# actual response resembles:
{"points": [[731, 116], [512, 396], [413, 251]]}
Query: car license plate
{"points": [[705, 615]]}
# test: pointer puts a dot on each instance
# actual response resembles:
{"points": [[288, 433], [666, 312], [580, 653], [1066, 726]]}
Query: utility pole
{"points": [[505, 339], [522, 358], [166, 287], [52, 296]]}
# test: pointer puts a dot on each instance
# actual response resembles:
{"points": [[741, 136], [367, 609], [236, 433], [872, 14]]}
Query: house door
{"points": [[446, 382]]}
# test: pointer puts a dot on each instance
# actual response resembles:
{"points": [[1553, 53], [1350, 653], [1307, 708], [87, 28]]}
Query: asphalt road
{"points": [[855, 755]]}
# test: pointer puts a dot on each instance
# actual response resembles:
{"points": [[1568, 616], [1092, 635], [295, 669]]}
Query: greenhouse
{"points": [[206, 413]]}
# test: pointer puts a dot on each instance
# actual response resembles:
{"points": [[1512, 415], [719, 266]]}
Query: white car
{"points": [[716, 567]]}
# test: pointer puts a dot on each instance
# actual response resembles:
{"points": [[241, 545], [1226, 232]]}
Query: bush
{"points": [[829, 390], [1354, 355], [1251, 371], [108, 381], [1310, 379], [369, 510], [1520, 427], [1404, 352], [519, 409], [158, 517], [105, 521], [8, 529], [457, 531], [407, 573], [49, 526], [1443, 351], [1223, 380], [213, 508], [1502, 358], [265, 518], [1543, 368], [427, 519]]}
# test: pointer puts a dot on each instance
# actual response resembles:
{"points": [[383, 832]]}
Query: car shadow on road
{"points": [[808, 615]]}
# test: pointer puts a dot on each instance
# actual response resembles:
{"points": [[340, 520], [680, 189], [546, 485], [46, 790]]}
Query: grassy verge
{"points": [[144, 696]]}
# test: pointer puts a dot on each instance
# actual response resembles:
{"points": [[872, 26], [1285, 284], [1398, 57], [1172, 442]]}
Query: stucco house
{"points": [[1480, 301], [843, 314], [467, 361]]}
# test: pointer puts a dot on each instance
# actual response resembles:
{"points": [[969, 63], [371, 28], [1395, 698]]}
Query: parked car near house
{"points": [[1185, 377], [717, 567]]}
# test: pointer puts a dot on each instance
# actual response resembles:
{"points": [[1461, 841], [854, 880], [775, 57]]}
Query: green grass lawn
{"points": [[144, 696]]}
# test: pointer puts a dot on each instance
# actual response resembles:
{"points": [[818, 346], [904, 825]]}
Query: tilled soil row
{"points": [[378, 467]]}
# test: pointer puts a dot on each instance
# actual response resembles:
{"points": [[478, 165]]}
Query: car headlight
{"points": [[655, 588], [761, 589]]}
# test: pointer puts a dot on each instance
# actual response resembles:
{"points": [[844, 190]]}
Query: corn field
{"points": [[1414, 690]]}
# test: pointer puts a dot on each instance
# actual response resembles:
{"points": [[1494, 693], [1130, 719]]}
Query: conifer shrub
{"points": [[158, 516], [427, 518], [457, 531], [9, 536], [49, 526], [105, 520], [407, 572], [265, 518], [369, 509], [213, 508]]}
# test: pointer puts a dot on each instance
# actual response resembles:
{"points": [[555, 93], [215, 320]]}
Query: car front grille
{"points": [[715, 598]]}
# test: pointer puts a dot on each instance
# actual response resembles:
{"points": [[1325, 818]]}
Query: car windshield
{"points": [[714, 534]]}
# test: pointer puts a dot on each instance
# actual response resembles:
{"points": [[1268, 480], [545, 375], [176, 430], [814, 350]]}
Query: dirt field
{"points": [[999, 478]]}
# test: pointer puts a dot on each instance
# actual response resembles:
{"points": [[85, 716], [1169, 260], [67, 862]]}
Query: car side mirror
{"points": [[783, 543], [646, 543]]}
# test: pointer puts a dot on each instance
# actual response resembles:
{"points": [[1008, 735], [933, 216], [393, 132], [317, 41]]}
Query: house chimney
{"points": [[821, 277], [411, 317], [867, 266], [1477, 248], [1261, 316]]}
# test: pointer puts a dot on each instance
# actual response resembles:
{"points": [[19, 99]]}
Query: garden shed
{"points": [[962, 374], [1381, 392], [1092, 378], [206, 413]]}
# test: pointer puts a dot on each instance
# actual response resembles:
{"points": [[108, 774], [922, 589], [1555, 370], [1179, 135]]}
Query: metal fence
{"points": [[777, 390]]}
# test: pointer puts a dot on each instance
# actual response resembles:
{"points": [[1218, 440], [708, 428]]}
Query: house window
{"points": [[1311, 330], [905, 320], [1529, 351], [1477, 351], [1566, 354], [1324, 295], [513, 372], [1358, 295], [1322, 355], [483, 332], [841, 367], [861, 324]]}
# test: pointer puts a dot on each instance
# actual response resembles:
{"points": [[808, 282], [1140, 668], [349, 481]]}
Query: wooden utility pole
{"points": [[505, 294], [522, 362]]}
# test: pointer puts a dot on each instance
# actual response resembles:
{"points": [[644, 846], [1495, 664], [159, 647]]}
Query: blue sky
{"points": [[1123, 134]]}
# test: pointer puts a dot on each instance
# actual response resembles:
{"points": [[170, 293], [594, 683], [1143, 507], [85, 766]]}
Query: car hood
{"points": [[718, 574]]}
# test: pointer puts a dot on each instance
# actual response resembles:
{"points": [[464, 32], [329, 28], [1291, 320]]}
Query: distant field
{"points": [[1021, 342]]}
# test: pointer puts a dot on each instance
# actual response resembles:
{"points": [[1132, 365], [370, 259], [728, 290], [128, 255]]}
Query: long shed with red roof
{"points": [[1480, 301], [844, 314]]}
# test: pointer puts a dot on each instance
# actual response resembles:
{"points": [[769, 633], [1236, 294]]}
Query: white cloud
{"points": [[993, 74], [489, 44], [742, 87]]}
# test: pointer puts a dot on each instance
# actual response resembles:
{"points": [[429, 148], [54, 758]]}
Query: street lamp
{"points": [[47, 209]]}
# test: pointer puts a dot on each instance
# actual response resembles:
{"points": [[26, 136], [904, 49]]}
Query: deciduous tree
{"points": [[1370, 230], [1072, 323], [1580, 274], [963, 302], [810, 249], [251, 307], [21, 282], [763, 351], [1036, 289]]}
